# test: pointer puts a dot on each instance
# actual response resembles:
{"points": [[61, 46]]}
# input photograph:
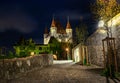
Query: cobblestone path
{"points": [[64, 73]]}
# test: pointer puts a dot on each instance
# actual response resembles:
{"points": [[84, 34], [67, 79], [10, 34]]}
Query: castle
{"points": [[58, 32]]}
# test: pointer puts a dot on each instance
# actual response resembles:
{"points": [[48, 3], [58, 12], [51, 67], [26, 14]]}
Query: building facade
{"points": [[80, 54], [58, 32]]}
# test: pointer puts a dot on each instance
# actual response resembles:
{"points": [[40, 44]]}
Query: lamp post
{"points": [[68, 48], [67, 52]]}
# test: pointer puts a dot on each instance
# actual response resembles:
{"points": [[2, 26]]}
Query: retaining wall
{"points": [[13, 68], [95, 48]]}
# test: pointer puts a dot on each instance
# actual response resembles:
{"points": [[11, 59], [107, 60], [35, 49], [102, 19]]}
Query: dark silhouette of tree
{"points": [[21, 41], [81, 34]]}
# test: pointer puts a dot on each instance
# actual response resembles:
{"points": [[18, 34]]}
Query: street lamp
{"points": [[101, 26], [101, 23], [68, 48], [67, 51]]}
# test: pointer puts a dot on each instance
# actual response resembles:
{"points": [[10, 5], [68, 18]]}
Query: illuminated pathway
{"points": [[64, 73]]}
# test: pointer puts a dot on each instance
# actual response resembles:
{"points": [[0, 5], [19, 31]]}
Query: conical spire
{"points": [[46, 31], [68, 26], [53, 22]]}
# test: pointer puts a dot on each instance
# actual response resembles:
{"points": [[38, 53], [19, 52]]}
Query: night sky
{"points": [[29, 18]]}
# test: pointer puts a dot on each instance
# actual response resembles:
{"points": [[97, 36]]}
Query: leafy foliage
{"points": [[25, 45], [55, 46], [105, 9], [59, 48], [8, 56]]}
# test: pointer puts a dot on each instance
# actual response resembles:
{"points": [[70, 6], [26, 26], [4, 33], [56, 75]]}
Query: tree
{"points": [[23, 47], [30, 45], [105, 9], [81, 34], [55, 46]]}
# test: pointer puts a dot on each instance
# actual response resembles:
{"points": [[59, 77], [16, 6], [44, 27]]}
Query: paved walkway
{"points": [[64, 73]]}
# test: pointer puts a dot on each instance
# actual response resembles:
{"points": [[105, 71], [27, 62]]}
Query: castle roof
{"points": [[60, 28], [53, 24], [68, 26], [46, 31]]}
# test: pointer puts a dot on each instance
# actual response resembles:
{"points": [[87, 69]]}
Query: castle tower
{"points": [[46, 36], [68, 31], [53, 28]]}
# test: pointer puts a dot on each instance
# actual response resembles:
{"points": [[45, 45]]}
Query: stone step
{"points": [[62, 61]]}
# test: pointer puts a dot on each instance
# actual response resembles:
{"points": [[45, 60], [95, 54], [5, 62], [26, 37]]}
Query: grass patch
{"points": [[88, 64], [106, 73], [117, 74]]}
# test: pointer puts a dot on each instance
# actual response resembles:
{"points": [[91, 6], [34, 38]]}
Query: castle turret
{"points": [[46, 36], [53, 29], [58, 32], [68, 27], [68, 31]]}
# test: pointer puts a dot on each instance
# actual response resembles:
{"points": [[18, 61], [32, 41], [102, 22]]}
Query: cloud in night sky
{"points": [[17, 21], [73, 14]]}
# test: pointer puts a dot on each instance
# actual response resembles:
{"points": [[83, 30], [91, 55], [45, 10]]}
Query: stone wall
{"points": [[13, 68], [94, 43], [95, 48], [117, 36]]}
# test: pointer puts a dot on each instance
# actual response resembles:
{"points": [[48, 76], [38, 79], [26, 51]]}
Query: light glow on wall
{"points": [[111, 23], [76, 55], [114, 21], [102, 31], [66, 40]]}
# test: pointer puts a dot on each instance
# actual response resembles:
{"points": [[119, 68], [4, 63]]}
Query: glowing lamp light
{"points": [[66, 40], [67, 49], [32, 53], [55, 57], [101, 23]]}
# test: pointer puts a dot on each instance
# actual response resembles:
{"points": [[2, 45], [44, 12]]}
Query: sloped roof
{"points": [[46, 31], [53, 24], [68, 26], [60, 28]]}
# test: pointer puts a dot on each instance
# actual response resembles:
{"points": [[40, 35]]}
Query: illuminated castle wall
{"points": [[57, 31]]}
